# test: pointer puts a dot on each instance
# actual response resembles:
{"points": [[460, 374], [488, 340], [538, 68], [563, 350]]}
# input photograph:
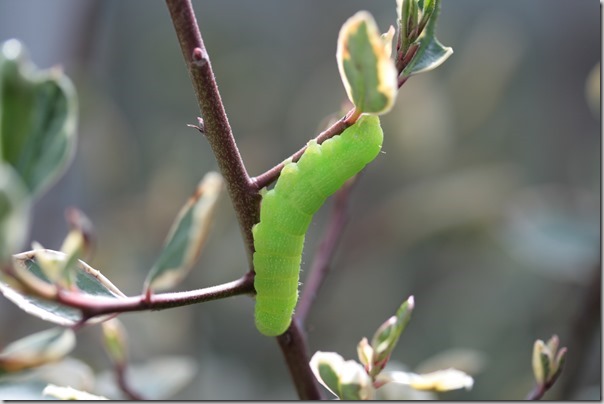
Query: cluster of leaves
{"points": [[38, 114], [548, 362], [351, 380], [370, 73]]}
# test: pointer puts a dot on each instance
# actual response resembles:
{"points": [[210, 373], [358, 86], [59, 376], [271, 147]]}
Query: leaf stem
{"points": [[537, 393]]}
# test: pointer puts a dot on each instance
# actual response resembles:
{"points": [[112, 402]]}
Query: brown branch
{"points": [[92, 306], [322, 261], [243, 194], [295, 351], [585, 324], [242, 190]]}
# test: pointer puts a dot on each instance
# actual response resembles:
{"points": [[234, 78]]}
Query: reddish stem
{"points": [[337, 128], [122, 382], [327, 249], [92, 306]]}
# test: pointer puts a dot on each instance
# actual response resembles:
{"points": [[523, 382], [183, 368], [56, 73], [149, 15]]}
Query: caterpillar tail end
{"points": [[271, 329]]}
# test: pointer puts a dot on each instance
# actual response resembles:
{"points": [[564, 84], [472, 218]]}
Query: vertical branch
{"points": [[295, 350], [242, 190], [216, 125]]}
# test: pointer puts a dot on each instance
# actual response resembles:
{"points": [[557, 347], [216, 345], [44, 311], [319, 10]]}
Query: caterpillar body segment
{"points": [[287, 210]]}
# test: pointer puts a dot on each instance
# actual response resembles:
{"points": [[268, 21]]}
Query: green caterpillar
{"points": [[287, 210]]}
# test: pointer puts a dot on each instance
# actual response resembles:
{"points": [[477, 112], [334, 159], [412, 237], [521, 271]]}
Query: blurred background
{"points": [[485, 204]]}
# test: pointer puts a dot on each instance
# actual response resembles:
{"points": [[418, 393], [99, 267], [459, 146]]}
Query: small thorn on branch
{"points": [[200, 126]]}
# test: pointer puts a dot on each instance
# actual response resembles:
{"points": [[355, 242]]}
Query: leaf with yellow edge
{"points": [[365, 66], [187, 235], [37, 349], [441, 380]]}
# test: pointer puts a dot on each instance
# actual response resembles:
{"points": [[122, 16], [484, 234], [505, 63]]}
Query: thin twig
{"points": [[327, 248], [540, 389], [122, 382], [585, 324], [92, 306], [336, 129]]}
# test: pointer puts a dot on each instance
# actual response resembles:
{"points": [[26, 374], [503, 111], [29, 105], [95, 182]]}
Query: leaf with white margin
{"points": [[441, 380], [88, 280], [38, 118], [431, 52], [347, 380], [187, 235], [37, 349], [366, 69]]}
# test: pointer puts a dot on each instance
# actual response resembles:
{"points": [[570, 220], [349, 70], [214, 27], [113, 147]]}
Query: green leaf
{"points": [[365, 354], [365, 66], [66, 372], [57, 269], [326, 367], [114, 340], [538, 369], [387, 335], [187, 235], [383, 338], [14, 212], [88, 280], [37, 349], [431, 53], [404, 11], [560, 360], [38, 114], [348, 380], [355, 383]]}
